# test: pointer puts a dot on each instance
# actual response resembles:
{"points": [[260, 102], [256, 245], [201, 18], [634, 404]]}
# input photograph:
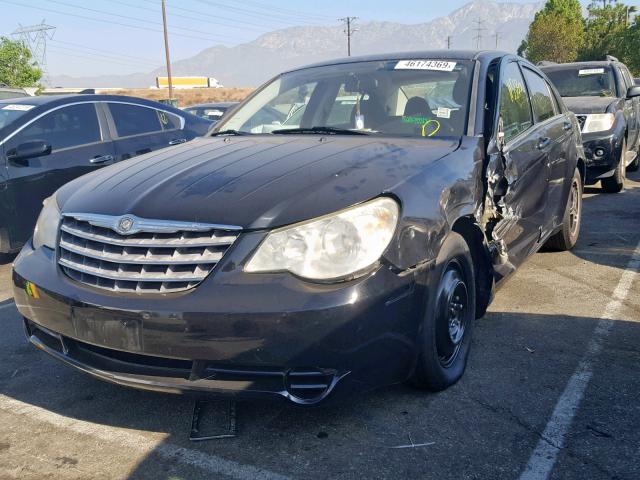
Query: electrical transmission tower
{"points": [[479, 29], [35, 38], [348, 21]]}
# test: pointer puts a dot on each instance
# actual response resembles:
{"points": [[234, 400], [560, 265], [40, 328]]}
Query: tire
{"points": [[445, 337], [567, 237], [615, 183]]}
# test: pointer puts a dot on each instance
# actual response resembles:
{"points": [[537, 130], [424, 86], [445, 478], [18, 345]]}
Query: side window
{"points": [[169, 121], [134, 120], [515, 108], [66, 127], [543, 107]]}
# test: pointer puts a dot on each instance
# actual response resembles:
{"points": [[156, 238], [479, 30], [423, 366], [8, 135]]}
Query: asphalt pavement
{"points": [[552, 391]]}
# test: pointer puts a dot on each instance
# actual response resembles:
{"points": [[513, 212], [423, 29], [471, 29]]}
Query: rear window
{"points": [[583, 81], [541, 97], [134, 120]]}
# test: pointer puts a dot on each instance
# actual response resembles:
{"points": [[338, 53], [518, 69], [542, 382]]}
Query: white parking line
{"points": [[209, 463], [544, 456]]}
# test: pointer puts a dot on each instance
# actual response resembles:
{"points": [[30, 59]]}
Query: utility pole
{"points": [[497, 35], [166, 49], [479, 29], [448, 42], [35, 37], [349, 31]]}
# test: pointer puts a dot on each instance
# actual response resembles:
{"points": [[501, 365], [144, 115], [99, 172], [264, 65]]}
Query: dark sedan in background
{"points": [[47, 141], [210, 111], [607, 103], [350, 250]]}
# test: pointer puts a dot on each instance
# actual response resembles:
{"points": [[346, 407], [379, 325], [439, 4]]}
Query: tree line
{"points": [[560, 33]]}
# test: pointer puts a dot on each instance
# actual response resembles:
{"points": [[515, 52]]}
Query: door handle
{"points": [[567, 125], [101, 159], [178, 141], [543, 143]]}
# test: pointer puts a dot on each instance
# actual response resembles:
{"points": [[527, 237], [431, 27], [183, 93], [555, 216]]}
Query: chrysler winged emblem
{"points": [[125, 224]]}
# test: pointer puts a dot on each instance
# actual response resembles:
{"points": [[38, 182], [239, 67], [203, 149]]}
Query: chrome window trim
{"points": [[147, 225], [18, 130]]}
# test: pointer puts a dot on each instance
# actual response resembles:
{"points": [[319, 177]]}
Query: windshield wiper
{"points": [[314, 130], [229, 132]]}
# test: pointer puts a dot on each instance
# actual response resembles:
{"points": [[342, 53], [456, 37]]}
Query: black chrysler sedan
{"points": [[352, 250], [47, 141], [604, 97]]}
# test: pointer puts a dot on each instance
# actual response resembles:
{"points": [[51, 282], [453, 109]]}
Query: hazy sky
{"points": [[124, 36]]}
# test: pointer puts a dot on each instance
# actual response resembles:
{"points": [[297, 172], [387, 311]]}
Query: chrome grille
{"points": [[159, 257]]}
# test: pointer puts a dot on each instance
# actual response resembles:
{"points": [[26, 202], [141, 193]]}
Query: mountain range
{"points": [[252, 63]]}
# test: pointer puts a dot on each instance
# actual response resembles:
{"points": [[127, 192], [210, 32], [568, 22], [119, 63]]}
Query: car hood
{"points": [[588, 104], [255, 181]]}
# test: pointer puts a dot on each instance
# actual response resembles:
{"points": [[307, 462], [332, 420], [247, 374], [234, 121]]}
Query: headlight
{"points": [[46, 231], [331, 247], [598, 122]]}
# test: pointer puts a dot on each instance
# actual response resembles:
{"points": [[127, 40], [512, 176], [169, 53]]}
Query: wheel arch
{"points": [[476, 241]]}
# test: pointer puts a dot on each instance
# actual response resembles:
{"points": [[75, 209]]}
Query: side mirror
{"points": [[27, 150], [633, 92]]}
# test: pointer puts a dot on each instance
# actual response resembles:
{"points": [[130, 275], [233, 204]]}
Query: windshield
{"points": [[584, 82], [409, 98], [10, 112]]}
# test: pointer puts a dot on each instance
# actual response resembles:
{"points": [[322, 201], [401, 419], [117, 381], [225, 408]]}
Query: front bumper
{"points": [[601, 150], [235, 334]]}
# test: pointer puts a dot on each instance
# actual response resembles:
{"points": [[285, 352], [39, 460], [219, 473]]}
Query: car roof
{"points": [[213, 105], [574, 65], [483, 55], [72, 98]]}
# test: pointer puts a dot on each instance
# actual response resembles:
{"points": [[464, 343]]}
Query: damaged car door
{"points": [[518, 170]]}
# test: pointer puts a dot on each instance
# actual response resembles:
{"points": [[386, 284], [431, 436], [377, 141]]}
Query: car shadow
{"points": [[519, 365]]}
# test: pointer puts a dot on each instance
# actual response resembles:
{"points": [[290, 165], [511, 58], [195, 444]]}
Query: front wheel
{"points": [[567, 237], [445, 339], [615, 183]]}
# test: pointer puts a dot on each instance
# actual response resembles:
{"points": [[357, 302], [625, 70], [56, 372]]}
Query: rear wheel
{"points": [[567, 237], [446, 327], [615, 183]]}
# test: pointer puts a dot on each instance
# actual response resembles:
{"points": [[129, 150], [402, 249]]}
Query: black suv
{"points": [[607, 103]]}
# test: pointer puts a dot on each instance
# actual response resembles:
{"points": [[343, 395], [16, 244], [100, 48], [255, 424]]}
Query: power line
{"points": [[201, 19], [107, 56], [93, 19], [106, 52], [203, 15], [260, 15], [128, 17], [348, 21], [285, 11], [91, 56]]}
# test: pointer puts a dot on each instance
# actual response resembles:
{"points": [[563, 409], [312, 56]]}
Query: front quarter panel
{"points": [[433, 200]]}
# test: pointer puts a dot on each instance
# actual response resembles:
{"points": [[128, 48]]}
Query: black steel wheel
{"points": [[446, 327]]}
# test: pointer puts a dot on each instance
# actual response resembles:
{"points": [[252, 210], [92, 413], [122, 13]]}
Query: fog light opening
{"points": [[599, 152]]}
